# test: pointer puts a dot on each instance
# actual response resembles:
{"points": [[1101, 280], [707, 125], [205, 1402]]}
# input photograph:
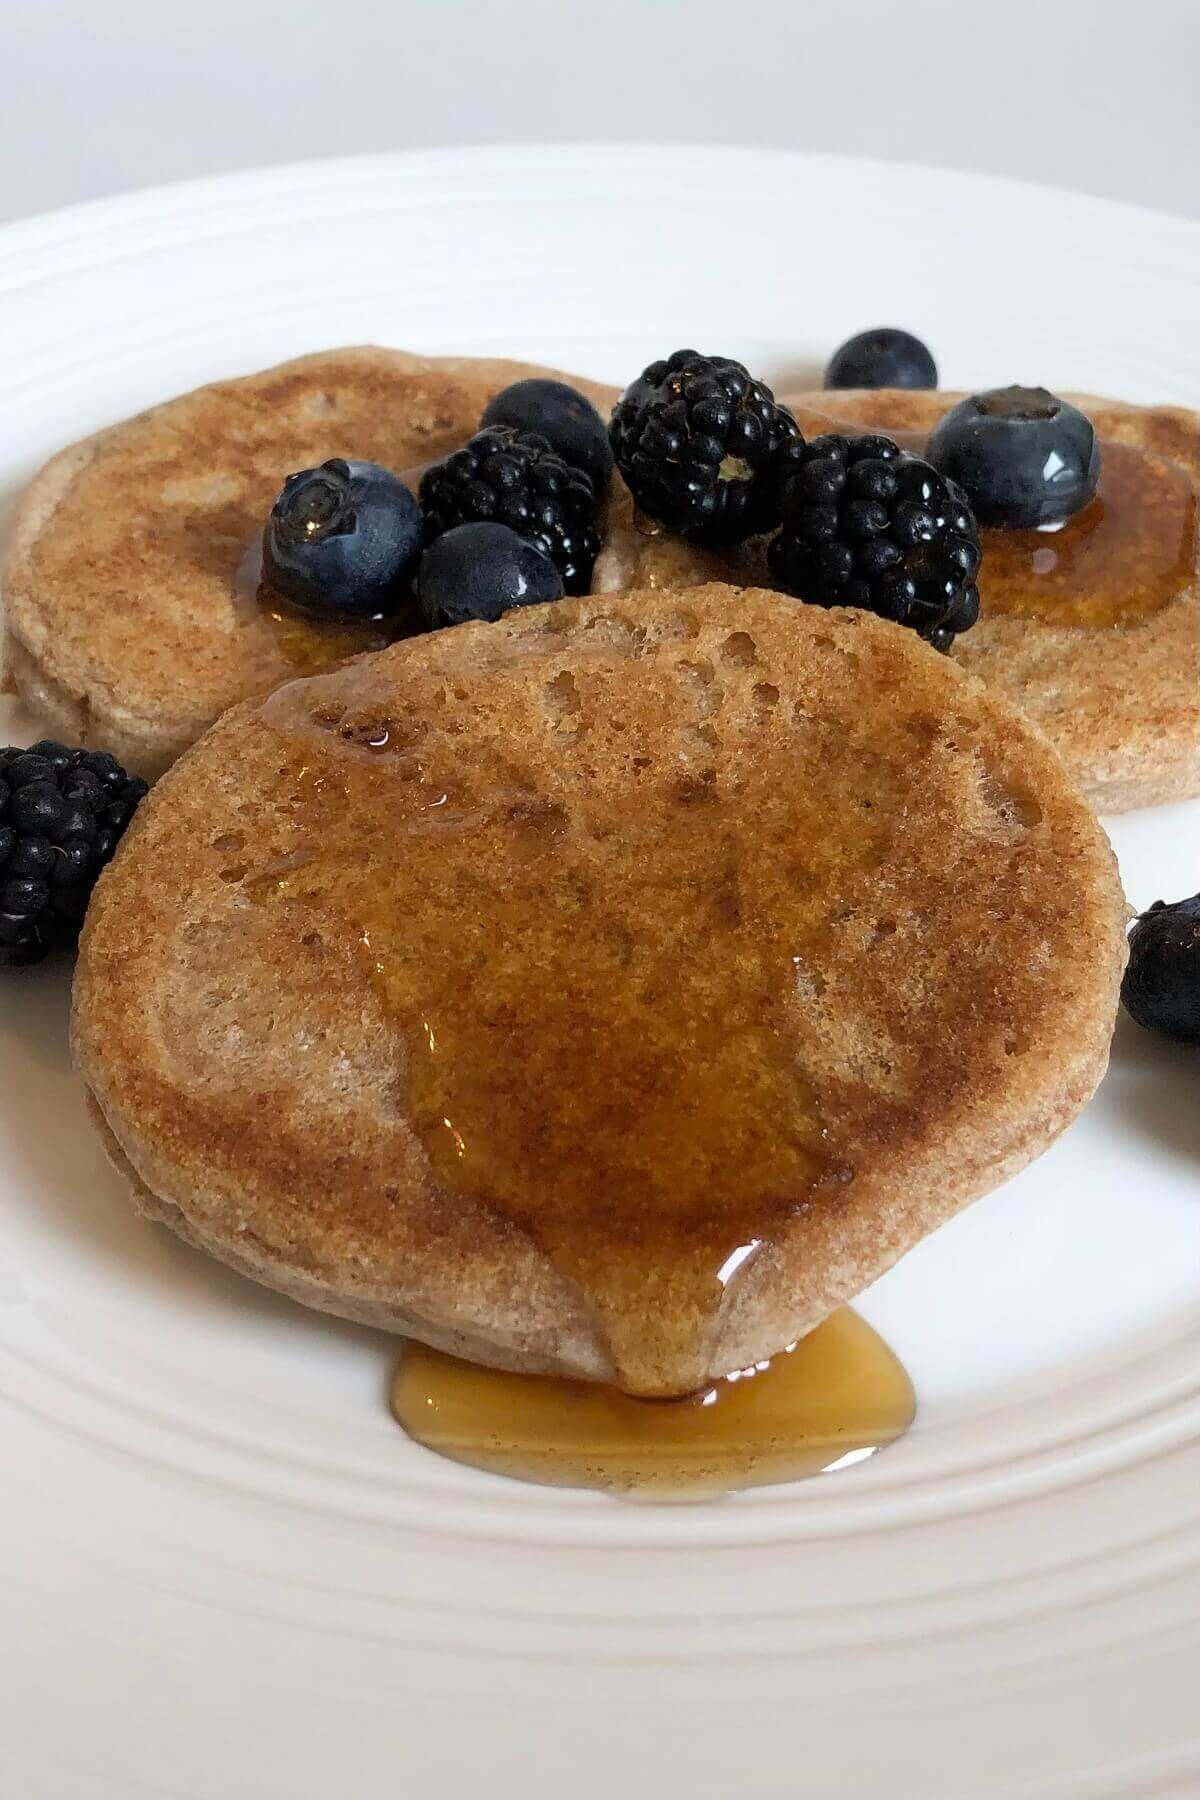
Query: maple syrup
{"points": [[601, 1007], [829, 1401], [310, 646], [1130, 551], [307, 645], [1121, 558]]}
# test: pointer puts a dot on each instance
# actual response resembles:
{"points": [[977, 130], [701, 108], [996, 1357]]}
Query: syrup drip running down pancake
{"points": [[611, 991]]}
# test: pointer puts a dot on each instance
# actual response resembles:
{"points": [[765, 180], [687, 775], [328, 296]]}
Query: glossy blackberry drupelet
{"points": [[696, 439], [884, 357], [342, 540], [562, 415], [865, 524], [1023, 456], [482, 571], [1161, 989], [62, 813], [514, 478]]}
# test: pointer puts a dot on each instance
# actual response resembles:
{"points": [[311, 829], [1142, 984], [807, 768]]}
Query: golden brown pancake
{"points": [[127, 626], [1093, 631], [610, 991]]}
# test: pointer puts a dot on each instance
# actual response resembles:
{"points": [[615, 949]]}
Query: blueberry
{"points": [[883, 358], [1024, 456], [1161, 989], [480, 571], [343, 540], [566, 419]]}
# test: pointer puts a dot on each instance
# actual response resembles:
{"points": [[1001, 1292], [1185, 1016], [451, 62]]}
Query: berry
{"points": [[865, 524], [62, 813], [696, 439], [566, 419], [343, 540], [1023, 456], [482, 571], [513, 478], [1161, 989], [883, 358]]}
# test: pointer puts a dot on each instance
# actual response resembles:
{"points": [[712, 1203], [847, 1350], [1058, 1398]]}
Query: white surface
{"points": [[1094, 95], [224, 1574]]}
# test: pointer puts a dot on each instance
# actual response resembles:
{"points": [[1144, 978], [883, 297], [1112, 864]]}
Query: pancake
{"points": [[127, 626], [612, 991], [1094, 631]]}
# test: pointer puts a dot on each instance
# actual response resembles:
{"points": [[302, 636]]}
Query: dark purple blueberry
{"points": [[1023, 456], [885, 357], [343, 541], [481, 571]]}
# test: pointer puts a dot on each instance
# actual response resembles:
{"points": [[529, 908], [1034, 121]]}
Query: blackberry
{"points": [[62, 813], [1161, 989], [865, 524], [696, 438], [513, 478]]}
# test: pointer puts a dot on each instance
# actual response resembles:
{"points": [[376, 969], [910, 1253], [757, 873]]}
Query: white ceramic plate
{"points": [[223, 1571]]}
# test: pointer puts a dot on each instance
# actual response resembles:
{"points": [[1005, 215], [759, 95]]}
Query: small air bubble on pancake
{"points": [[809, 984], [618, 632], [740, 649], [700, 681], [697, 790], [562, 696], [698, 740], [1013, 807]]}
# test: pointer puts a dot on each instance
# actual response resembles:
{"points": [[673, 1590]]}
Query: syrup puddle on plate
{"points": [[832, 1400]]}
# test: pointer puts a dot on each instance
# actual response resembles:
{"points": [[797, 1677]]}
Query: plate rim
{"points": [[197, 194], [105, 230]]}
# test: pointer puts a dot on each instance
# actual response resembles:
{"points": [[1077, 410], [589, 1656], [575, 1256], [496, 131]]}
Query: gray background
{"points": [[99, 97]]}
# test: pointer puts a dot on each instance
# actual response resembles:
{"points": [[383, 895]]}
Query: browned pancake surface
{"points": [[613, 990], [125, 624], [1118, 697]]}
